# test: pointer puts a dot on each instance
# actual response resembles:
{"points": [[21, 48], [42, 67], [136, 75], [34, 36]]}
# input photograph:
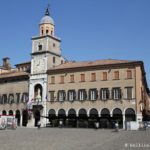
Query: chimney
{"points": [[6, 63]]}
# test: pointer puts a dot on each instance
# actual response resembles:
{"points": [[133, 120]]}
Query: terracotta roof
{"points": [[24, 63], [91, 63], [12, 74]]}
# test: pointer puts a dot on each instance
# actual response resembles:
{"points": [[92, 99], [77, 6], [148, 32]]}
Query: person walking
{"points": [[39, 124], [116, 127]]}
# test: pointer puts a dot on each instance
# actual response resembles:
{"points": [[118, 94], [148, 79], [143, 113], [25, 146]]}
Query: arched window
{"points": [[40, 47]]}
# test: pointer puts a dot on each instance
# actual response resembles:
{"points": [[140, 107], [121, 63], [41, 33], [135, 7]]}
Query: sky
{"points": [[89, 29]]}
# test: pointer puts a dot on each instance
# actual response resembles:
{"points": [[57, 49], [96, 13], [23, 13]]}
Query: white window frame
{"points": [[92, 94], [71, 94], [61, 95]]}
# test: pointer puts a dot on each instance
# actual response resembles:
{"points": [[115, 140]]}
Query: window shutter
{"points": [[101, 94], [79, 94], [89, 94], [132, 93], [85, 94], [107, 93], [57, 96], [64, 95], [120, 93], [125, 93], [68, 95], [96, 92], [112, 94], [74, 95]]}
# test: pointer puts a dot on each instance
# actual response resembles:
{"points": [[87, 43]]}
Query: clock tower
{"points": [[46, 54]]}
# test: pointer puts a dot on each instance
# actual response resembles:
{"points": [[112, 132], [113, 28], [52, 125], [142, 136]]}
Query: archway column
{"points": [[21, 120], [139, 117], [124, 119]]}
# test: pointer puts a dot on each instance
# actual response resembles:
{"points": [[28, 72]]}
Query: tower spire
{"points": [[47, 11]]}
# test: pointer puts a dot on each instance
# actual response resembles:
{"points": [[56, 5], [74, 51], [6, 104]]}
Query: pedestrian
{"points": [[39, 124], [60, 124], [116, 127], [96, 125]]}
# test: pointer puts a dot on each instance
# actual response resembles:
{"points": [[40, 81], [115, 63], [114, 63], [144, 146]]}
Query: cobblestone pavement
{"points": [[73, 139]]}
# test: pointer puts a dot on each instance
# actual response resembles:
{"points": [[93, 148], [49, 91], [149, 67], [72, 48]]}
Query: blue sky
{"points": [[89, 29]]}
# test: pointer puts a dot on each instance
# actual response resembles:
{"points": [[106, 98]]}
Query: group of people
{"points": [[96, 125]]}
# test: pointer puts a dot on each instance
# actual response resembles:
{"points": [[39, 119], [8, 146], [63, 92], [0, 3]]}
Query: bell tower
{"points": [[46, 54], [47, 26]]}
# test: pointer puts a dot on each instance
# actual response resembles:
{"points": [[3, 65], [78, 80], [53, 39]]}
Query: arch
{"points": [[38, 90], [82, 112], [93, 113], [82, 119], [130, 114], [51, 112], [4, 112], [72, 118], [105, 112], [10, 112], [117, 111], [105, 120], [61, 113], [130, 111], [71, 113], [118, 117], [17, 116]]}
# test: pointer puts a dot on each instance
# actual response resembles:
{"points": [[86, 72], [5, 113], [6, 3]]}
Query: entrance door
{"points": [[37, 117]]}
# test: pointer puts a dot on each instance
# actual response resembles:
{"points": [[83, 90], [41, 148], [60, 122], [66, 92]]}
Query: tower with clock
{"points": [[46, 54]]}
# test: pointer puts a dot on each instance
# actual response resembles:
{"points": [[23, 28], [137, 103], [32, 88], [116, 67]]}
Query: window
{"points": [[93, 76], [61, 79], [61, 95], [25, 97], [42, 32], [52, 80], [72, 78], [82, 77], [40, 47], [93, 94], [104, 77], [4, 99], [116, 75], [52, 32], [54, 59], [104, 93], [71, 95], [82, 94], [116, 93], [47, 31], [54, 44], [62, 61], [52, 95], [129, 74], [11, 98], [128, 92], [18, 97]]}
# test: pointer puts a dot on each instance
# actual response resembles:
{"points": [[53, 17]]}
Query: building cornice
{"points": [[93, 67], [46, 36], [44, 52]]}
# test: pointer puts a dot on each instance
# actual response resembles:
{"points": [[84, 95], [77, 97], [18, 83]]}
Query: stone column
{"points": [[21, 120], [124, 119]]}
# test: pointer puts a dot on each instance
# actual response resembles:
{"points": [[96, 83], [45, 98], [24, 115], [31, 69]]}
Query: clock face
{"points": [[39, 65]]}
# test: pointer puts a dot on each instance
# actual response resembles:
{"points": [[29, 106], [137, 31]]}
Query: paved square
{"points": [[73, 139]]}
